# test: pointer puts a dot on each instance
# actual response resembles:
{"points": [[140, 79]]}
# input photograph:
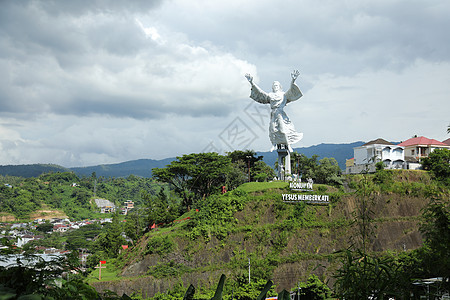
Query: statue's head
{"points": [[276, 86]]}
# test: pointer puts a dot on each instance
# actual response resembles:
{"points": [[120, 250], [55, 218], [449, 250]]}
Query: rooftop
{"points": [[378, 141], [421, 140]]}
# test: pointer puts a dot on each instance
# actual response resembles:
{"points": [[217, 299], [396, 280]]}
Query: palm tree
{"points": [[448, 129]]}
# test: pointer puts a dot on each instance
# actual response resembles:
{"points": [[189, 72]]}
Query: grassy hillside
{"points": [[284, 242]]}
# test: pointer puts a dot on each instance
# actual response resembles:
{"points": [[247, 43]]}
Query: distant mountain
{"points": [[340, 152], [143, 167], [140, 167], [33, 170]]}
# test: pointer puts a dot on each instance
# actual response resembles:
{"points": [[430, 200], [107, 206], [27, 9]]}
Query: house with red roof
{"points": [[447, 141], [420, 147]]}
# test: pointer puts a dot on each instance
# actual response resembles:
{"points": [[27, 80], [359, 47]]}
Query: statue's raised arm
{"points": [[249, 78], [295, 75]]}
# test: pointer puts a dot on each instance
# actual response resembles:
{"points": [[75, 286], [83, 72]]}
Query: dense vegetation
{"points": [[190, 227], [68, 193]]}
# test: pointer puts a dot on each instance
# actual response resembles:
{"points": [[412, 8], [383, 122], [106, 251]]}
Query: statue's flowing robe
{"points": [[281, 129]]}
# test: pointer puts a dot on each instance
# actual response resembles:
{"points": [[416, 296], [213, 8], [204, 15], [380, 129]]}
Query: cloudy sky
{"points": [[93, 81]]}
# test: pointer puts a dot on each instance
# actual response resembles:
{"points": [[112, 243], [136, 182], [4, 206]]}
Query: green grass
{"points": [[251, 187], [109, 273]]}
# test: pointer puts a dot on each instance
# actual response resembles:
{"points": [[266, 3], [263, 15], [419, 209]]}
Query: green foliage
{"points": [[59, 278], [110, 240], [176, 293], [161, 245], [261, 186], [215, 216], [170, 269], [41, 280], [252, 168], [33, 170], [383, 176], [438, 162], [436, 229], [82, 238], [195, 176], [161, 209], [262, 172], [362, 276], [54, 240], [136, 222], [325, 171], [314, 289], [45, 227], [256, 289], [24, 196], [59, 177]]}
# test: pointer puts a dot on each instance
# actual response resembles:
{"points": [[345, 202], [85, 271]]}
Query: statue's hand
{"points": [[294, 75], [249, 78]]}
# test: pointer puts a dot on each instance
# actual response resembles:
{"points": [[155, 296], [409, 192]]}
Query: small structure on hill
{"points": [[105, 206]]}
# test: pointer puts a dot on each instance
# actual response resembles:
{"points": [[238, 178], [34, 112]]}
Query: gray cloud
{"points": [[87, 82]]}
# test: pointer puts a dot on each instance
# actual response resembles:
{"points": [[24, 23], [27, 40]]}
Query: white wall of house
{"points": [[392, 156]]}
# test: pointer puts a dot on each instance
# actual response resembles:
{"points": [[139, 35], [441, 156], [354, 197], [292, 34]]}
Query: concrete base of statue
{"points": [[284, 162]]}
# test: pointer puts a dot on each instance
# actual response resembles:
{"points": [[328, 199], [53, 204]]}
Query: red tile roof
{"points": [[447, 142], [421, 140]]}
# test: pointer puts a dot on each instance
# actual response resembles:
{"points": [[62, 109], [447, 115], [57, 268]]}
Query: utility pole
{"points": [[248, 160], [249, 270]]}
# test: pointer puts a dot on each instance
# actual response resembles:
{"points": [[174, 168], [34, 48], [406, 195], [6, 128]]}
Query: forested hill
{"points": [[140, 167], [33, 170], [143, 167]]}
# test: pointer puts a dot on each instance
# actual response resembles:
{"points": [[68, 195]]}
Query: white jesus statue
{"points": [[281, 129]]}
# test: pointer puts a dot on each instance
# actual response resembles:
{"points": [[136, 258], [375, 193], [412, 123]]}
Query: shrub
{"points": [[161, 245]]}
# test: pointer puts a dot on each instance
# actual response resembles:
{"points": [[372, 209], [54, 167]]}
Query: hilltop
{"points": [[284, 242]]}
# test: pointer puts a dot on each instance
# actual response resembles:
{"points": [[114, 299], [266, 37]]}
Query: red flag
{"points": [[153, 226], [102, 262]]}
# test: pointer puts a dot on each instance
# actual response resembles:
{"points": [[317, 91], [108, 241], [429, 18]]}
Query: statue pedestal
{"points": [[284, 162]]}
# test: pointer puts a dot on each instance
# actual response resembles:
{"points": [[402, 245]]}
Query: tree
{"points": [[246, 160], [45, 227], [438, 162], [262, 172], [325, 171], [135, 224], [111, 240], [436, 229], [304, 166], [314, 288], [195, 175], [237, 175], [160, 208], [328, 171]]}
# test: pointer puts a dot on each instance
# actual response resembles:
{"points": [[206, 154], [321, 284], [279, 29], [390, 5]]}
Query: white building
{"points": [[379, 150]]}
